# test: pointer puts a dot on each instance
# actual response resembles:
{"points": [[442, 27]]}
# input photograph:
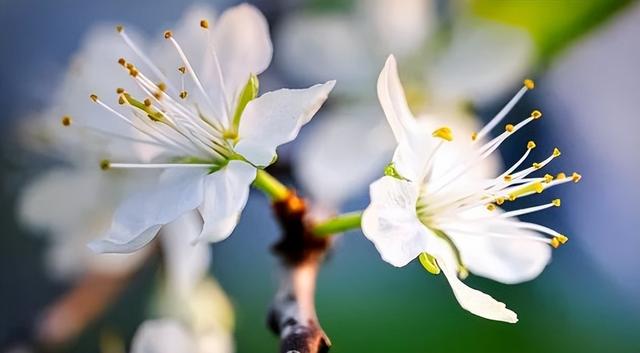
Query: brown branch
{"points": [[293, 314]]}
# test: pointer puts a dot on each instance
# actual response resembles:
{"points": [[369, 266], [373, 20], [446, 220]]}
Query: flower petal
{"points": [[242, 45], [163, 336], [414, 142], [276, 118], [470, 299], [507, 260], [391, 223], [225, 195], [138, 219], [186, 263]]}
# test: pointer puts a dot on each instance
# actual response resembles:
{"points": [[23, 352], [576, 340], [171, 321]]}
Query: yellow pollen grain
{"points": [[94, 97], [576, 177], [555, 243], [105, 164], [556, 152], [509, 127], [531, 145], [491, 207], [556, 202], [204, 24], [66, 120], [536, 114], [474, 136], [500, 200], [508, 178], [183, 94], [548, 178], [562, 239], [443, 133], [561, 176], [529, 84], [167, 34], [536, 165]]}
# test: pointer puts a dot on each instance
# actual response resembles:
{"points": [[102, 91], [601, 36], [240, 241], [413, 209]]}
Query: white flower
{"points": [[450, 218], [199, 106]]}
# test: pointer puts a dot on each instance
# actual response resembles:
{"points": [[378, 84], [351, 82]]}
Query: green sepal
{"points": [[429, 263], [390, 170]]}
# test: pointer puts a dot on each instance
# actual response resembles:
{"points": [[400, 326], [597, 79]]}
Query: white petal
{"points": [[391, 223], [163, 336], [414, 142], [276, 118], [186, 263], [330, 166], [507, 260], [470, 299], [243, 46], [225, 195], [138, 219]]}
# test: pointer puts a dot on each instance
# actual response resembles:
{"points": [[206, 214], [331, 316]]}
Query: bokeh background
{"points": [[584, 58]]}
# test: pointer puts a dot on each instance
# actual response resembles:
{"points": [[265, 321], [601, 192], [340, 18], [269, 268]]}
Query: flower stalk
{"points": [[270, 186], [338, 224]]}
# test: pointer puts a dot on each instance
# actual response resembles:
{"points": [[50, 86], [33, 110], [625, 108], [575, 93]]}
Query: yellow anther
{"points": [[167, 34], [147, 102], [121, 99], [527, 189], [183, 94], [500, 200], [556, 152], [182, 69], [119, 28], [122, 62], [105, 164], [157, 94], [204, 23], [562, 239], [561, 176], [536, 165], [556, 202], [536, 114], [162, 86], [576, 177], [555, 243], [119, 90], [474, 136], [529, 84], [94, 97], [66, 120], [508, 178], [509, 127], [129, 66], [531, 145], [443, 133], [548, 178], [491, 207], [429, 263]]}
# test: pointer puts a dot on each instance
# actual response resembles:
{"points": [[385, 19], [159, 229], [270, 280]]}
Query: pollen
{"points": [[499, 200], [555, 243], [147, 102], [509, 127], [204, 24], [536, 165], [122, 62], [529, 84], [491, 207], [443, 133], [576, 177], [66, 120], [536, 114], [562, 239], [531, 145], [162, 86], [561, 176], [556, 202], [183, 94], [119, 90], [474, 136], [548, 178], [558, 240], [167, 34], [507, 178], [556, 152], [182, 69], [119, 28], [105, 164], [94, 97], [121, 99]]}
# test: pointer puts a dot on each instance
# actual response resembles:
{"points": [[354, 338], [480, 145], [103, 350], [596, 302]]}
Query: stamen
{"points": [[158, 165], [576, 177], [504, 111], [443, 133], [204, 24], [529, 84], [105, 164]]}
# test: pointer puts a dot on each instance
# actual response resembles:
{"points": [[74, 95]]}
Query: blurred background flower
{"points": [[462, 58]]}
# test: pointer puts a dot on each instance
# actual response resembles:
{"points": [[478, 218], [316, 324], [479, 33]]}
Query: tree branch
{"points": [[293, 315]]}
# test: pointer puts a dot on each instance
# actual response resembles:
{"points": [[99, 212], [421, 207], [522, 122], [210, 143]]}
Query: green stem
{"points": [[338, 224], [273, 188]]}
